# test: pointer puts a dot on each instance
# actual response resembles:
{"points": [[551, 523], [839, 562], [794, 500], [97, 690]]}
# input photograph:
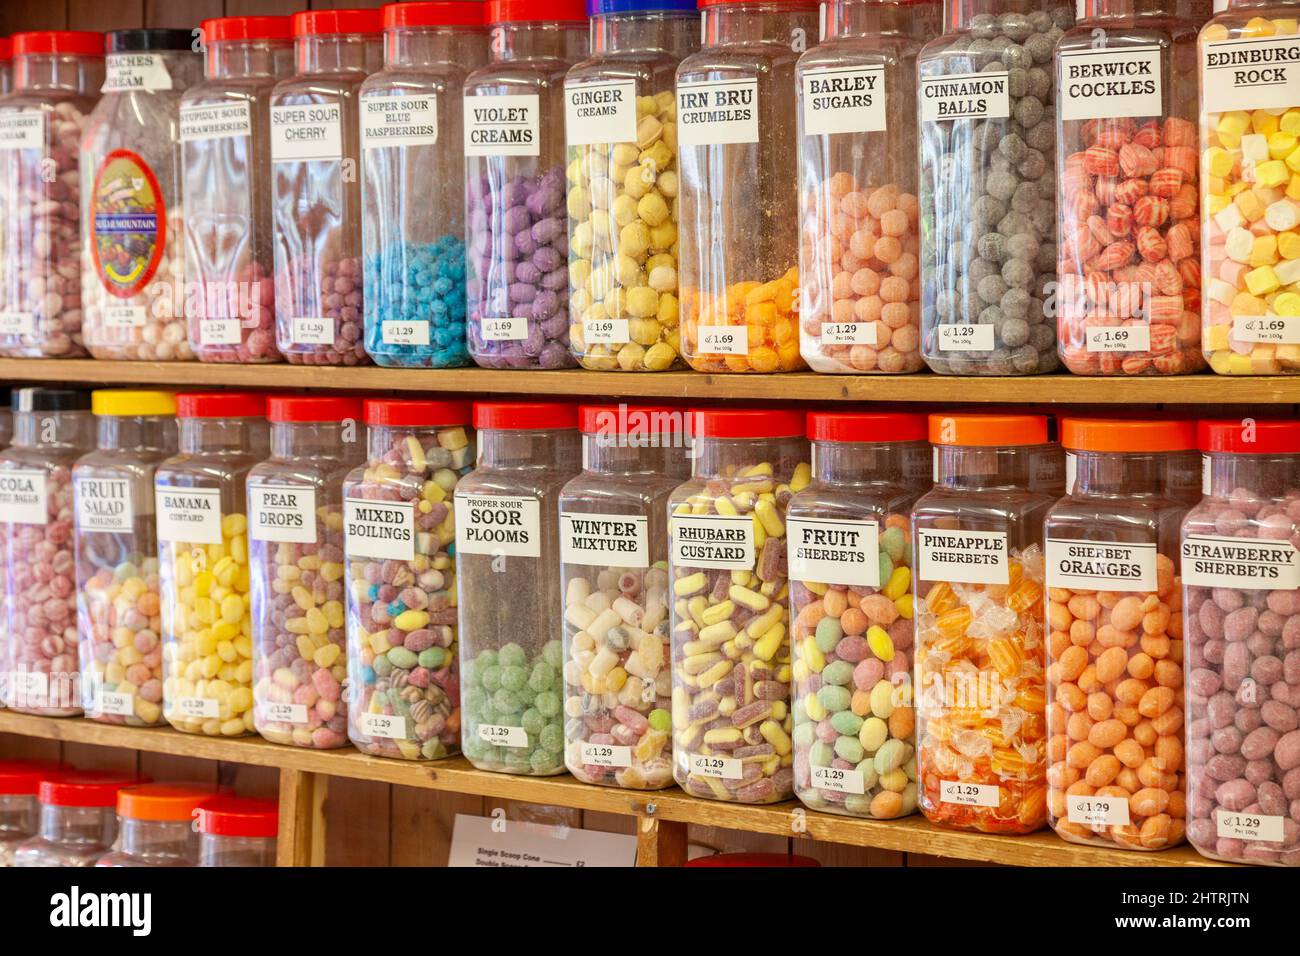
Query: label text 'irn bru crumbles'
{"points": [[962, 557], [1213, 561]]}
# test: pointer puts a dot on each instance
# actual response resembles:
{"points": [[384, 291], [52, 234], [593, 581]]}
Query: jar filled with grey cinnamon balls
{"points": [[987, 113]]}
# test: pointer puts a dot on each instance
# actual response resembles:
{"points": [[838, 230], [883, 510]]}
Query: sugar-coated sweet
{"points": [[332, 289], [239, 307], [508, 693], [120, 622], [415, 304], [750, 327]]}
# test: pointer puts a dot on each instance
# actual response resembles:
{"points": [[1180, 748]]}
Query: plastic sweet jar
{"points": [[614, 575], [517, 238], [6, 420], [133, 252], [1250, 248], [77, 823], [1241, 595], [237, 831], [119, 604], [1115, 639], [295, 541], [738, 160], [508, 593], [201, 511], [620, 117], [413, 184], [225, 145], [57, 80], [980, 647], [988, 197], [316, 187], [19, 781], [155, 823], [6, 65], [860, 241], [52, 429], [731, 670], [403, 691], [849, 556], [1184, 473]]}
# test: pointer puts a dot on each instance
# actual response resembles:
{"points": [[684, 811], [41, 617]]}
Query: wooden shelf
{"points": [[652, 809], [804, 386]]}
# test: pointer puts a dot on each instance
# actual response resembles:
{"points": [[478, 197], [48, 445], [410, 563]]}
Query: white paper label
{"points": [[1071, 471], [1097, 811], [833, 551], [620, 541], [219, 331], [282, 513], [504, 330], [312, 330], [502, 125], [720, 542], [1206, 475], [498, 524], [969, 794], [115, 704], [408, 120], [1100, 566], [1102, 83], [379, 529], [1210, 561], [308, 132], [22, 129], [284, 713], [384, 725], [724, 768], [28, 689], [206, 121], [1252, 827], [963, 557], [1278, 329], [722, 339], [606, 755], [1252, 73], [482, 841], [405, 333], [964, 96], [104, 504], [965, 338], [124, 316], [189, 515], [603, 112], [197, 707], [1118, 338], [848, 333], [23, 497], [844, 99], [135, 73], [717, 112], [838, 781], [499, 735], [606, 331], [17, 323]]}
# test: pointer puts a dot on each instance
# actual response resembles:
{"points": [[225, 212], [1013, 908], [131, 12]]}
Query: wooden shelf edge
{"points": [[457, 775]]}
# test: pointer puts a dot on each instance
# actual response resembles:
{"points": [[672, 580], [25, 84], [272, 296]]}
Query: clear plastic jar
{"points": [[52, 429], [203, 559], [1114, 639], [19, 781], [730, 645], [6, 65], [413, 183], [155, 823], [119, 609], [508, 594], [78, 824], [133, 249], [1183, 473], [1128, 273], [516, 231], [56, 86], [225, 132], [404, 686], [739, 203], [316, 196], [860, 245], [988, 191], [850, 565], [237, 831], [622, 172], [614, 572], [978, 588], [295, 540], [1241, 581], [6, 420], [1249, 244]]}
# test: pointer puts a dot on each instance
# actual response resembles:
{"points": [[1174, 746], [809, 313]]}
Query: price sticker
{"points": [[849, 333], [504, 330], [312, 331], [969, 794], [1253, 827], [1278, 329], [1118, 338], [606, 331], [838, 781], [285, 713], [1097, 811], [499, 735], [384, 725], [723, 340], [965, 338], [606, 755], [198, 708], [723, 768], [115, 704], [219, 331], [405, 333]]}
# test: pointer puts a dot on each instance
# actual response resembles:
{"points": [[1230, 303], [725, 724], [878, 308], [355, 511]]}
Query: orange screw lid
{"points": [[988, 430], [162, 801], [1127, 435]]}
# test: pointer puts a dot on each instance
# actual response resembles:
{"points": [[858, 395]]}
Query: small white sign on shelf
{"points": [[492, 842]]}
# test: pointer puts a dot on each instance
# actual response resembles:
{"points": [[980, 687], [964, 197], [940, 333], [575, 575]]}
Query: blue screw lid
{"points": [[600, 8]]}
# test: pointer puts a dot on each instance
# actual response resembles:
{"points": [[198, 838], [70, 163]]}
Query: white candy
{"points": [[1229, 218], [1282, 215], [1238, 244], [1287, 271], [1254, 147]]}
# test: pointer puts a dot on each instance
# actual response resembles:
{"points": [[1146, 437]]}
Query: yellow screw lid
{"points": [[129, 403]]}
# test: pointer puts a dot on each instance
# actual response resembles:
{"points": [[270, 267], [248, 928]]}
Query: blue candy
{"points": [[421, 284]]}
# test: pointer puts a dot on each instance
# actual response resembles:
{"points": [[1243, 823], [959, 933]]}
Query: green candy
{"points": [[543, 677], [886, 567], [506, 701], [513, 678], [489, 677], [548, 702], [661, 720], [890, 756], [383, 666], [846, 722], [804, 735], [473, 699], [486, 658], [552, 738], [828, 634], [512, 655], [532, 721], [834, 698], [433, 658], [401, 657], [545, 761], [820, 754], [553, 654], [848, 748], [839, 673], [893, 542]]}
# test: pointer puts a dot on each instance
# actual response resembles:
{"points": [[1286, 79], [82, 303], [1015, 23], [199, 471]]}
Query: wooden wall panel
{"points": [[357, 823], [421, 824], [105, 14], [186, 14], [16, 15]]}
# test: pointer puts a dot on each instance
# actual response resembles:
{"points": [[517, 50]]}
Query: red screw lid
{"points": [[238, 817], [631, 419], [723, 3], [437, 13], [409, 413], [1249, 436], [6, 49], [86, 788], [525, 416], [866, 426], [1127, 435], [318, 23], [988, 430], [59, 42], [227, 29], [172, 802], [755, 859], [21, 778], [312, 408], [221, 405], [521, 11], [747, 423]]}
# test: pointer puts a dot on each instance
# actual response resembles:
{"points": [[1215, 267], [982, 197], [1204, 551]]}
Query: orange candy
{"points": [[750, 327]]}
